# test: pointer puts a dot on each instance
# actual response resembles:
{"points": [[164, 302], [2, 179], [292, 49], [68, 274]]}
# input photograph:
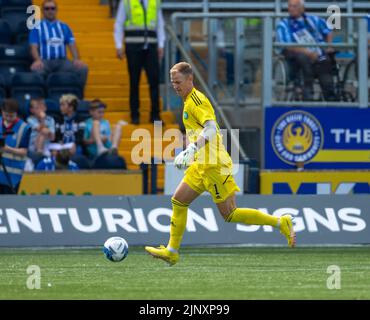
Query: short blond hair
{"points": [[182, 67], [70, 99]]}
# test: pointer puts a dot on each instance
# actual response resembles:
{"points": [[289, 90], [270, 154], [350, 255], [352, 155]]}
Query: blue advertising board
{"points": [[317, 138]]}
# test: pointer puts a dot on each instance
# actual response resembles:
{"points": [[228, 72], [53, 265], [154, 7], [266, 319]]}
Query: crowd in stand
{"points": [[45, 123], [70, 139]]}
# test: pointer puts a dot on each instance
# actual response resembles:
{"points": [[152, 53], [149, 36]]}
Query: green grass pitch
{"points": [[202, 273]]}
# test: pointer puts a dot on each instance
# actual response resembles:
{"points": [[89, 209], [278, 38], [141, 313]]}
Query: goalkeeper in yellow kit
{"points": [[209, 168]]}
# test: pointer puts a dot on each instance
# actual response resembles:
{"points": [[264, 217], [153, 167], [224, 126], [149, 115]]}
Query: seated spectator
{"points": [[303, 28], [48, 45], [69, 127], [97, 135], [42, 128]]}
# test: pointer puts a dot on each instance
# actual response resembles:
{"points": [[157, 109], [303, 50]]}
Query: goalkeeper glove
{"points": [[186, 157]]}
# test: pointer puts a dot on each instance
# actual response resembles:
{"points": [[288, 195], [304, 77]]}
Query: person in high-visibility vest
{"points": [[140, 24], [14, 141]]}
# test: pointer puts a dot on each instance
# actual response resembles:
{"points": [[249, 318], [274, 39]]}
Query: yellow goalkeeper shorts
{"points": [[202, 178]]}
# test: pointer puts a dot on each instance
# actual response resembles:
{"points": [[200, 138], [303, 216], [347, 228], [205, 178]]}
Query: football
{"points": [[115, 249]]}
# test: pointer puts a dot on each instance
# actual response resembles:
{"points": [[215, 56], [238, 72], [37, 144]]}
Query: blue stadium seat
{"points": [[56, 93], [13, 16], [14, 53], [60, 83], [30, 79], [62, 79], [5, 33], [83, 109], [10, 68], [16, 3], [24, 108], [83, 106], [23, 95], [2, 93], [27, 93], [109, 161], [52, 108], [25, 86], [21, 34], [2, 81], [81, 161], [2, 87]]}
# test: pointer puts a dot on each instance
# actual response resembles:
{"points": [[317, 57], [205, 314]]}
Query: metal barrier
{"points": [[276, 5], [181, 26], [174, 43]]}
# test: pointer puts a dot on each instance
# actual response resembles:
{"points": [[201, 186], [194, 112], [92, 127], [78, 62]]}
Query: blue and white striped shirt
{"points": [[52, 38], [305, 29]]}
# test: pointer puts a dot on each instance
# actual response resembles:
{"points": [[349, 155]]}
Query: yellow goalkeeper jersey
{"points": [[198, 110]]}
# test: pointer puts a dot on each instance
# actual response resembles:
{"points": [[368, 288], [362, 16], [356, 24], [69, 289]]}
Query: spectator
{"points": [[48, 45], [69, 127], [144, 38], [303, 28], [97, 135], [42, 128], [14, 141]]}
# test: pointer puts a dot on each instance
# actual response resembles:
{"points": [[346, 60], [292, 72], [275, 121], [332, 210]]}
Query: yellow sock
{"points": [[178, 223], [252, 216]]}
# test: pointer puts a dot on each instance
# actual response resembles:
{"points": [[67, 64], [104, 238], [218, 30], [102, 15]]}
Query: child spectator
{"points": [[98, 137], [69, 127], [42, 128]]}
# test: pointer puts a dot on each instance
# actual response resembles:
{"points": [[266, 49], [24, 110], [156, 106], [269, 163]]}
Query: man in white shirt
{"points": [[140, 25]]}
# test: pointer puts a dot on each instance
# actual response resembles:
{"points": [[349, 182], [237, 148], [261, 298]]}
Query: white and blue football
{"points": [[115, 249]]}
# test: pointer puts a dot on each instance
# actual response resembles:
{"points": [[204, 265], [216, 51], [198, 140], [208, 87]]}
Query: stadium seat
{"points": [[2, 87], [56, 93], [81, 161], [14, 53], [109, 161], [21, 35], [25, 86], [16, 3], [27, 93], [24, 108], [83, 109], [83, 106], [2, 93], [62, 79], [60, 83], [24, 79], [2, 81], [5, 33], [7, 70], [52, 108], [13, 16]]}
